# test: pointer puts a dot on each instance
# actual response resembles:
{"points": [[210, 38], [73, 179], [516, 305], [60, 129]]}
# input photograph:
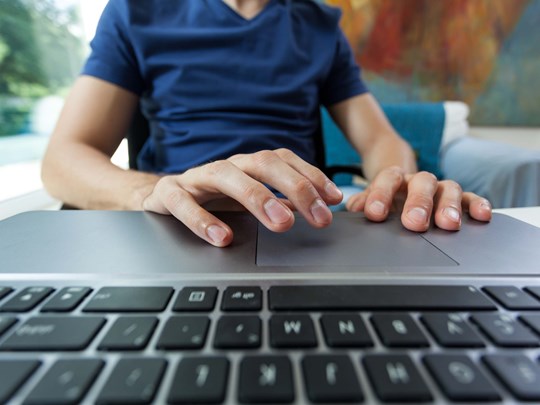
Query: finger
{"points": [[478, 207], [381, 193], [288, 204], [448, 205], [169, 198], [357, 202], [326, 188], [418, 206], [222, 178], [268, 167]]}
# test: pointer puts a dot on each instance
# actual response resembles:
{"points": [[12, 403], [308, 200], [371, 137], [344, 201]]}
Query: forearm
{"points": [[385, 152], [368, 130], [79, 175]]}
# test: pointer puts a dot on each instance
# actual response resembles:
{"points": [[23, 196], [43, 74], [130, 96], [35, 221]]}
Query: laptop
{"points": [[130, 307]]}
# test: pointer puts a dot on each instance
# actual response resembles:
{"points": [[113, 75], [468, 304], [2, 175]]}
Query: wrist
{"points": [[141, 191]]}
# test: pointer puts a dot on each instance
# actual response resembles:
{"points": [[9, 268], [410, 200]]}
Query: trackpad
{"points": [[349, 241]]}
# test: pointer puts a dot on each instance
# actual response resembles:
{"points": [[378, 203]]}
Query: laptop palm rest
{"points": [[138, 244]]}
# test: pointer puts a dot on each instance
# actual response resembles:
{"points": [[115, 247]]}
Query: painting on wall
{"points": [[483, 52]]}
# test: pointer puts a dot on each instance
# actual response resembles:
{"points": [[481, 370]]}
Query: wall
{"points": [[481, 52]]}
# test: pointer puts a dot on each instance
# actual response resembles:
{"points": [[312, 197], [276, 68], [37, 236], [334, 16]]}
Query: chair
{"points": [[420, 124]]}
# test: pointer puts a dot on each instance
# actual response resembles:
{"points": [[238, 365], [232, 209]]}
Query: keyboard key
{"points": [[129, 333], [395, 378], [66, 382], [504, 331], [331, 379], [133, 381], [26, 300], [512, 297], [53, 333], [519, 373], [532, 320], [292, 331], [6, 322], [460, 379], [67, 299], [242, 299], [451, 330], [200, 380], [235, 332], [399, 330], [265, 379], [534, 291], [4, 291], [377, 297], [13, 374], [184, 332], [196, 299], [129, 299], [345, 330]]}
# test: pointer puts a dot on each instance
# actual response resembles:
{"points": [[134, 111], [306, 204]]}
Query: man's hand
{"points": [[420, 196], [243, 178]]}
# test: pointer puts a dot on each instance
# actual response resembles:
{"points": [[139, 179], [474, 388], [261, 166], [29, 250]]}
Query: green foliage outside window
{"points": [[41, 53]]}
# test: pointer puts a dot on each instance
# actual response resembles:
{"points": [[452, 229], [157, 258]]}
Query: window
{"points": [[43, 44]]}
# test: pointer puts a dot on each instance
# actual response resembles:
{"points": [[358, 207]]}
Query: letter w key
{"points": [[292, 331]]}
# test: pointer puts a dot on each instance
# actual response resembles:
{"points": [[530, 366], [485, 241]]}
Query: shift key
{"points": [[53, 333]]}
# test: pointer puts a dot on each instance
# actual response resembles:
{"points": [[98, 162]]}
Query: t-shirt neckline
{"points": [[240, 17]]}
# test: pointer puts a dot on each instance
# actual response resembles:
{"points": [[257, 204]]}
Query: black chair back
{"points": [[137, 134]]}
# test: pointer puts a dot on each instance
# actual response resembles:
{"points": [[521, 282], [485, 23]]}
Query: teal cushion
{"points": [[421, 124]]}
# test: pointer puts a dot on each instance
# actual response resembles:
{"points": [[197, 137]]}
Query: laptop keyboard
{"points": [[269, 344]]}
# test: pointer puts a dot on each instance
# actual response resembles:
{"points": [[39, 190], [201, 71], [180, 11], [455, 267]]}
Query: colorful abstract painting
{"points": [[483, 52]]}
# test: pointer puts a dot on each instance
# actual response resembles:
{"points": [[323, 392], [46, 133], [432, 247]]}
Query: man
{"points": [[232, 90]]}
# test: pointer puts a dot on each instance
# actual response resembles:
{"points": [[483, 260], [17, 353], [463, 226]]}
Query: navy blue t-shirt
{"points": [[214, 84]]}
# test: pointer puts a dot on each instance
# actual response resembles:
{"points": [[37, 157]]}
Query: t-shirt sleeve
{"points": [[344, 79], [112, 56]]}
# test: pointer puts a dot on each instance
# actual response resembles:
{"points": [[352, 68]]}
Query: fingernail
{"points": [[485, 205], [418, 215], [216, 233], [320, 212], [332, 190], [452, 214], [377, 208], [277, 213]]}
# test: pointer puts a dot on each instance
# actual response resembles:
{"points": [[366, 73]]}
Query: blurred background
{"points": [[43, 44], [484, 53]]}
